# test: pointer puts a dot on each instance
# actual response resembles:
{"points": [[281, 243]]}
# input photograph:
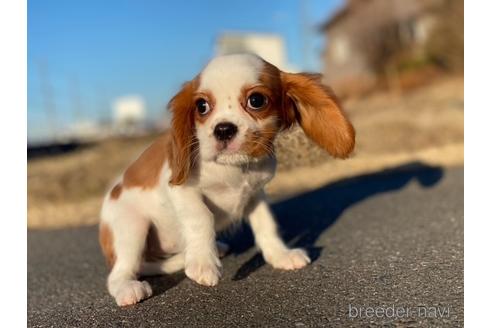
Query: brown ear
{"points": [[318, 112], [182, 131]]}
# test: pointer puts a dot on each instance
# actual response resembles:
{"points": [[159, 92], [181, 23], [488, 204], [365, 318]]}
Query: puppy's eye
{"points": [[257, 101], [202, 106]]}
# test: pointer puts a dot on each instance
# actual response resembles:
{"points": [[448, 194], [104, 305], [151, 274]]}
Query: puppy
{"points": [[208, 171]]}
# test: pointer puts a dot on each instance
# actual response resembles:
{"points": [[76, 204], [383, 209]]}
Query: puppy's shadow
{"points": [[162, 283], [303, 218]]}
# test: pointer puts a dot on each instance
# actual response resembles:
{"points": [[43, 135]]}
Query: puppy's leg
{"points": [[268, 240], [129, 235], [202, 263]]}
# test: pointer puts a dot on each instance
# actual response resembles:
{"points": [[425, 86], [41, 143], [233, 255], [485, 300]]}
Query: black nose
{"points": [[225, 131]]}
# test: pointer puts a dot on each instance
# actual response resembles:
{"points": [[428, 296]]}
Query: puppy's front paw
{"points": [[290, 259], [132, 292], [204, 272]]}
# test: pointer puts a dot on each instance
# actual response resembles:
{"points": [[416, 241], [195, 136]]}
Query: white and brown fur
{"points": [[163, 214]]}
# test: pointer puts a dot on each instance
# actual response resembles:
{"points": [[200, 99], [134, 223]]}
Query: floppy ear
{"points": [[318, 112], [182, 134]]}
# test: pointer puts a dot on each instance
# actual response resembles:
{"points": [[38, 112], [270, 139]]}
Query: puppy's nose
{"points": [[225, 131]]}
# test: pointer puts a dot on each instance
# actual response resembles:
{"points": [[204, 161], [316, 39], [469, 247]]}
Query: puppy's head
{"points": [[231, 112]]}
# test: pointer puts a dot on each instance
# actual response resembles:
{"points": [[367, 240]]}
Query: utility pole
{"points": [[104, 115], [77, 110], [103, 108], [48, 99]]}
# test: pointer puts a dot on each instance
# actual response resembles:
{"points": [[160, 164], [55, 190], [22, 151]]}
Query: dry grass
{"points": [[425, 124]]}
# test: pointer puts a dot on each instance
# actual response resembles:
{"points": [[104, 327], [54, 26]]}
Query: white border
{"points": [[13, 72], [478, 198], [478, 216]]}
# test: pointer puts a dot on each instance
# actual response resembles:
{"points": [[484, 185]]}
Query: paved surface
{"points": [[389, 240]]}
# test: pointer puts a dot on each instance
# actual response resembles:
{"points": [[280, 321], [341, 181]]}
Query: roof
{"points": [[400, 9], [340, 14]]}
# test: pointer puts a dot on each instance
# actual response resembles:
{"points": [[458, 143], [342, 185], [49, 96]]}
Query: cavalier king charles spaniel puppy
{"points": [[208, 171]]}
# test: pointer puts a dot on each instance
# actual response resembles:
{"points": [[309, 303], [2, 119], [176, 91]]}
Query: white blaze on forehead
{"points": [[226, 75]]}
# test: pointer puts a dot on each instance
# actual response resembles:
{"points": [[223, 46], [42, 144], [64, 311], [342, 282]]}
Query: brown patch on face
{"points": [[106, 243], [116, 192], [270, 86], [260, 142], [271, 78], [145, 171], [258, 114]]}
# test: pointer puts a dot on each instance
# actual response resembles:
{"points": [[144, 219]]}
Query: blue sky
{"points": [[96, 51]]}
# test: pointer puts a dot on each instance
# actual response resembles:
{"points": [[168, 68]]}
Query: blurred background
{"points": [[100, 74]]}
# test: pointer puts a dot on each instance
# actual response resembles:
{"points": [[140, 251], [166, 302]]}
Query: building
{"points": [[349, 60], [129, 115], [270, 47]]}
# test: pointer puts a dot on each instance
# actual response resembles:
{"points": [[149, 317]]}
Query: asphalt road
{"points": [[391, 240]]}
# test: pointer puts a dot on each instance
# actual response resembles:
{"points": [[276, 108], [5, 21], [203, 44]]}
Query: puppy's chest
{"points": [[228, 192]]}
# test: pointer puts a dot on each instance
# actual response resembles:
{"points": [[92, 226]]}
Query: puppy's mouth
{"points": [[227, 147], [230, 153]]}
